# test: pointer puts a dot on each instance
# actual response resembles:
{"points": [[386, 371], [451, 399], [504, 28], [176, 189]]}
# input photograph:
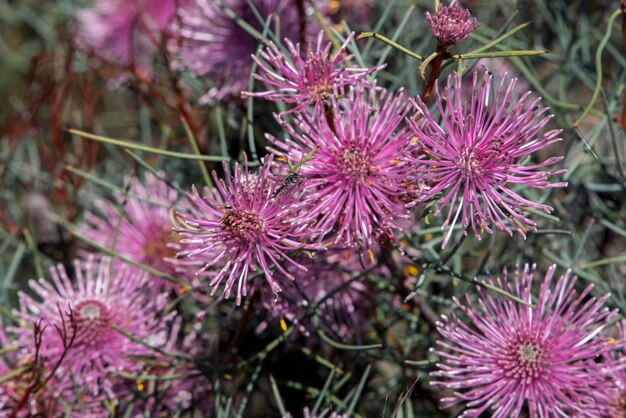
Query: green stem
{"points": [[499, 39], [149, 346], [499, 54], [391, 43], [601, 46], [605, 261], [420, 363], [140, 147], [196, 150], [347, 347], [13, 373], [166, 377], [125, 259]]}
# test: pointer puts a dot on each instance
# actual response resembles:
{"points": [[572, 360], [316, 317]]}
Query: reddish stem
{"points": [[433, 73]]}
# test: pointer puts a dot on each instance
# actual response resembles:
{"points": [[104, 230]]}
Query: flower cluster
{"points": [[307, 79], [451, 24], [84, 325], [138, 227], [125, 31], [356, 177], [511, 356], [331, 212], [213, 44], [470, 159], [243, 225]]}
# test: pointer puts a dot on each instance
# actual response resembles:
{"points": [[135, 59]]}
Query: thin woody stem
{"points": [[433, 73]]}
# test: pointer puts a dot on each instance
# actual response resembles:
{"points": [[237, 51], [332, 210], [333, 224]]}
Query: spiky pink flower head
{"points": [[242, 226], [126, 31], [101, 297], [306, 79], [508, 357], [213, 44], [352, 160], [451, 24], [139, 226], [612, 394], [477, 153], [341, 303], [6, 394]]}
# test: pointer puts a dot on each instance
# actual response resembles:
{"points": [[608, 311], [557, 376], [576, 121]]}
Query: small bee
{"points": [[291, 182]]}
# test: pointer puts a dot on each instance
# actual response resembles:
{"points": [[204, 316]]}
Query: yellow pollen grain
{"points": [[140, 386], [283, 324], [395, 161], [334, 4], [611, 341], [482, 229], [426, 221], [434, 166], [428, 237], [371, 253], [415, 139], [281, 159], [185, 288], [411, 270]]}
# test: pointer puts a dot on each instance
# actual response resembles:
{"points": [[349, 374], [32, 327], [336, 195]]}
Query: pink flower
{"points": [[355, 176], [476, 153], [242, 226], [510, 357], [126, 31], [6, 391], [212, 43], [142, 230], [612, 393], [451, 24], [306, 79], [101, 297]]}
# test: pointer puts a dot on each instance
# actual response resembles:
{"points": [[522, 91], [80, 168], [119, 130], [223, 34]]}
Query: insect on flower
{"points": [[292, 182]]}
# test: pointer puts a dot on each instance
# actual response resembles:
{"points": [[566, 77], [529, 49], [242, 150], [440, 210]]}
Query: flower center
{"points": [[92, 321], [316, 77], [527, 361], [355, 163], [155, 248], [478, 160], [243, 226], [529, 353]]}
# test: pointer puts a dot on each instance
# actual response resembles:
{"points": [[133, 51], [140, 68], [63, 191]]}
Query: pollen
{"points": [[411, 270], [283, 324]]}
